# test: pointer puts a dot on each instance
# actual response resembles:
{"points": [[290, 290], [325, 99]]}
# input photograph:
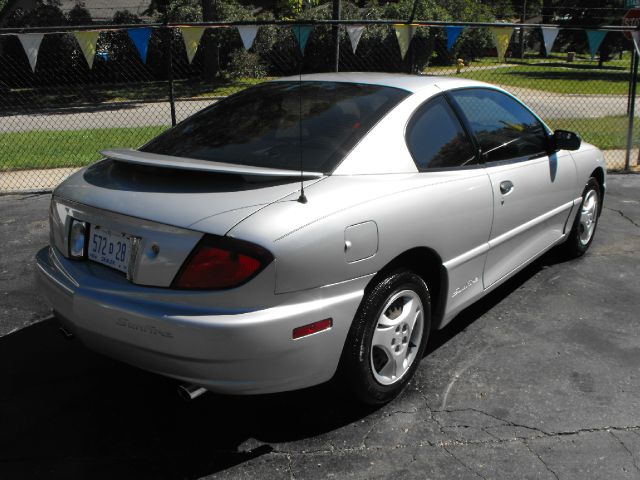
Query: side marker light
{"points": [[312, 328]]}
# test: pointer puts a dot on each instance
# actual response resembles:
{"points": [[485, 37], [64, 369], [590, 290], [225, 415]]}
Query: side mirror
{"points": [[564, 140]]}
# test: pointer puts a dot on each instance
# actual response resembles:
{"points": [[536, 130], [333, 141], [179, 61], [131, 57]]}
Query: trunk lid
{"points": [[179, 197]]}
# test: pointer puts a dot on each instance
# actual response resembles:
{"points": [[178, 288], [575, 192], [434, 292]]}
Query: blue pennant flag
{"points": [[302, 35], [140, 38], [452, 35], [595, 39]]}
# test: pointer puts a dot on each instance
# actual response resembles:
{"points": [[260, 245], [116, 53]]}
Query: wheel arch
{"points": [[426, 263]]}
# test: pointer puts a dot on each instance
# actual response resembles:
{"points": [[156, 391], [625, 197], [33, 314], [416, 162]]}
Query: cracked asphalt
{"points": [[540, 379]]}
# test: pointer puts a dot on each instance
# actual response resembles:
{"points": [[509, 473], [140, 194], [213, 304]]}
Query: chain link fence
{"points": [[59, 118]]}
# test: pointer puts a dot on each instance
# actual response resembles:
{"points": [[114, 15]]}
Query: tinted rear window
{"points": [[261, 126]]}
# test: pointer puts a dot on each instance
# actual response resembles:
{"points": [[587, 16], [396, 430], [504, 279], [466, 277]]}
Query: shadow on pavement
{"points": [[69, 413]]}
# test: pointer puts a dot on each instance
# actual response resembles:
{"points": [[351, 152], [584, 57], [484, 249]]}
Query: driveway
{"points": [[539, 380]]}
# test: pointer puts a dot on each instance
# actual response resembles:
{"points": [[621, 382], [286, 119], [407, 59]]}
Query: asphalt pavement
{"points": [[539, 380]]}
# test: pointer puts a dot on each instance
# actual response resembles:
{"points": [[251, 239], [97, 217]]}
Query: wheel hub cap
{"points": [[397, 337], [588, 217]]}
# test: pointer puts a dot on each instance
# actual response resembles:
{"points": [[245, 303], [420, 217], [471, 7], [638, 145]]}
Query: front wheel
{"points": [[584, 226], [387, 338]]}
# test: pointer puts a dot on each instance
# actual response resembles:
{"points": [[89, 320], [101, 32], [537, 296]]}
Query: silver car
{"points": [[313, 228]]}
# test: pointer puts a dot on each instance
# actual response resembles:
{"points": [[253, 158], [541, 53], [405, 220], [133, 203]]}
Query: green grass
{"points": [[552, 74], [67, 148], [72, 96], [607, 133]]}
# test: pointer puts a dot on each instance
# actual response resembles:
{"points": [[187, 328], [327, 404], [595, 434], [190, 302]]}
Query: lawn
{"points": [[553, 74], [67, 148], [607, 133], [19, 100]]}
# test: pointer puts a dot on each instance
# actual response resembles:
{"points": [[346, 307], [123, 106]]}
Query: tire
{"points": [[584, 226], [387, 338]]}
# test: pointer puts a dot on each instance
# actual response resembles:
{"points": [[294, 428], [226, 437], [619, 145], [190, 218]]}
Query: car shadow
{"points": [[68, 412], [478, 309]]}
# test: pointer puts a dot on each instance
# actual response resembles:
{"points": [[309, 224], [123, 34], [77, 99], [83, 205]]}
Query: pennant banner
{"points": [[31, 44], [452, 35], [501, 37], [355, 32], [87, 41], [140, 38], [404, 33], [191, 37], [302, 35], [595, 39], [549, 37], [248, 34]]}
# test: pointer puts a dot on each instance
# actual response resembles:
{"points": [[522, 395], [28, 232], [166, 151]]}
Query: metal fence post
{"points": [[336, 33], [632, 107], [168, 34]]}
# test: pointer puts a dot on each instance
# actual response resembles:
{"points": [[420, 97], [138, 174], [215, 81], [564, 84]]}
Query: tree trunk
{"points": [[547, 16], [210, 41]]}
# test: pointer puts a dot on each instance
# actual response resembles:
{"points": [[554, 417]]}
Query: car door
{"points": [[442, 148], [532, 187]]}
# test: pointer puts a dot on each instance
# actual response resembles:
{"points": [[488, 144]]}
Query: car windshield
{"points": [[280, 124]]}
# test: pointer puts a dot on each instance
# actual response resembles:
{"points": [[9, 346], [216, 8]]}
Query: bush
{"points": [[246, 64]]}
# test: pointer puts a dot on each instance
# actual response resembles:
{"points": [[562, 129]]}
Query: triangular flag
{"points": [[452, 35], [248, 34], [501, 37], [31, 44], [140, 38], [405, 34], [87, 41], [302, 35], [355, 32], [549, 35], [636, 40], [595, 39], [191, 37]]}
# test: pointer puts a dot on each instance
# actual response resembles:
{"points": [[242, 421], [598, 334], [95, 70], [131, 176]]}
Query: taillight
{"points": [[221, 262]]}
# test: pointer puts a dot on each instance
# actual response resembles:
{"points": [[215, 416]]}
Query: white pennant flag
{"points": [[31, 44], [355, 32], [549, 36], [248, 35]]}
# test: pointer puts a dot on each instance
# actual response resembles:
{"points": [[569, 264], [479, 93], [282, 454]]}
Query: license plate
{"points": [[110, 248]]}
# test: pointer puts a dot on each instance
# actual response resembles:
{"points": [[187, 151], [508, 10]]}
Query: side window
{"points": [[436, 139], [503, 128]]}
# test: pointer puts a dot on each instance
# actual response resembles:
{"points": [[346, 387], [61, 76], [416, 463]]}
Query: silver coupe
{"points": [[312, 228]]}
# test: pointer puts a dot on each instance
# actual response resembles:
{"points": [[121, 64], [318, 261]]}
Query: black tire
{"points": [[357, 371], [576, 244]]}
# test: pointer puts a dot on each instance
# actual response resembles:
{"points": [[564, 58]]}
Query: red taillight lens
{"points": [[220, 262]]}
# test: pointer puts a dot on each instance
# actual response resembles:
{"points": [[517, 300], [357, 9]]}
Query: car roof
{"points": [[411, 83]]}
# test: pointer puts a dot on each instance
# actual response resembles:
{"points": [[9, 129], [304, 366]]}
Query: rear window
{"points": [[261, 126]]}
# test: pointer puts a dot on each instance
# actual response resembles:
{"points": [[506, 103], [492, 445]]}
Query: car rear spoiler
{"points": [[156, 160]]}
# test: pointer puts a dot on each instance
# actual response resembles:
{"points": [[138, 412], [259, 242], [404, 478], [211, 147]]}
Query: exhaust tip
{"points": [[190, 392]]}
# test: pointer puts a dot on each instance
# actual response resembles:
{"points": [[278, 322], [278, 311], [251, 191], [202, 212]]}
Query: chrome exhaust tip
{"points": [[190, 392]]}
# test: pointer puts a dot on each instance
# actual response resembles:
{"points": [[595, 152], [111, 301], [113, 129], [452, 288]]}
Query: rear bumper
{"points": [[245, 352]]}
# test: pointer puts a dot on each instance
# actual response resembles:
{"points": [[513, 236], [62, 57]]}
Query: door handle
{"points": [[506, 187]]}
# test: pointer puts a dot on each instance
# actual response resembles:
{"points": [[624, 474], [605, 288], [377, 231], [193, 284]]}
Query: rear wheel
{"points": [[584, 226], [387, 338]]}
